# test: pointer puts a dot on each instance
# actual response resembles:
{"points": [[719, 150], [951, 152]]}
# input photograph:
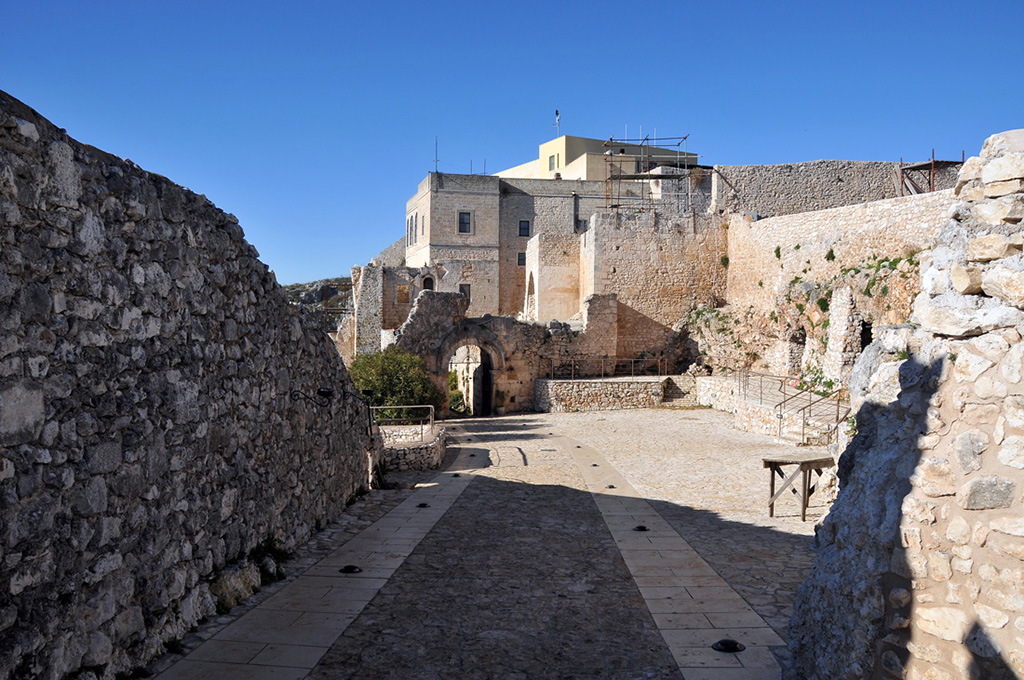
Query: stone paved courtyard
{"points": [[525, 562]]}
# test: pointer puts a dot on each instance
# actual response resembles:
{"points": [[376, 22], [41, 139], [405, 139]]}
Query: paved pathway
{"points": [[522, 560]]}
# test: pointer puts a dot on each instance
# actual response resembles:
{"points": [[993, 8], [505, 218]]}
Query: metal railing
{"points": [[784, 394], [606, 367], [401, 415]]}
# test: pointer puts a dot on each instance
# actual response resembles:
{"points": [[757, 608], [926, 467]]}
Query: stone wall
{"points": [[660, 267], [368, 293], [790, 188], [766, 256], [408, 451], [920, 565], [560, 396], [147, 436]]}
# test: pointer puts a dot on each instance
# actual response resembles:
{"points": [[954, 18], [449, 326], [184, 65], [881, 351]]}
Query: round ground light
{"points": [[728, 646]]}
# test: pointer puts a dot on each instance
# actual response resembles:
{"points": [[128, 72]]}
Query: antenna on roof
{"points": [[558, 124], [435, 154]]}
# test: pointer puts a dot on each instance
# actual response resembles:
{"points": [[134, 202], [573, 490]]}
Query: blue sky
{"points": [[313, 122]]}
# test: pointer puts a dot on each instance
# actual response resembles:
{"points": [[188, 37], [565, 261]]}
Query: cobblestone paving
{"points": [[520, 579], [521, 576], [707, 480]]}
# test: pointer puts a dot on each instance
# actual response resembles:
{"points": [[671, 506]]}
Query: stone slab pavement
{"points": [[523, 560]]}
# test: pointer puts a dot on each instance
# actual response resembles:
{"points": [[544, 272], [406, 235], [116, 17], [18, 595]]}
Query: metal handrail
{"points": [[609, 367], [805, 413]]}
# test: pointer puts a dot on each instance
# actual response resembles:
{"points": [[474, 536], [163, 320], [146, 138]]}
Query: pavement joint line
{"points": [[294, 628], [668, 559]]}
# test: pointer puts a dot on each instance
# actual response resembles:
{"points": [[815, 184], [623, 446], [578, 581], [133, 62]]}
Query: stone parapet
{"points": [[405, 448]]}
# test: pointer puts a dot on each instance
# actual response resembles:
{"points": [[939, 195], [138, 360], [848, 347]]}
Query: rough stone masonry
{"points": [[920, 565], [150, 452]]}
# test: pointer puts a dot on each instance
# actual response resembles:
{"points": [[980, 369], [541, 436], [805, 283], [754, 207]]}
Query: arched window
{"points": [[428, 283]]}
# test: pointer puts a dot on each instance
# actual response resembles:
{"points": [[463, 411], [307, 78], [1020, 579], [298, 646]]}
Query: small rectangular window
{"points": [[402, 293], [465, 222], [551, 162], [524, 227], [522, 259], [464, 289]]}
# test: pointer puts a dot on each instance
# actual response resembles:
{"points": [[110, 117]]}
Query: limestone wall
{"points": [[553, 262], [147, 436], [920, 565], [559, 396], [660, 267], [788, 188], [766, 256]]}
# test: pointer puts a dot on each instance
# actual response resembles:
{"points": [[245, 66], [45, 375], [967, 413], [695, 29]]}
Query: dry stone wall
{"points": [[920, 565], [147, 436]]}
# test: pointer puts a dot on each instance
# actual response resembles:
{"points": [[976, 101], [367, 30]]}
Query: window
{"points": [[465, 222], [524, 227], [464, 289], [551, 162], [522, 259], [402, 293], [415, 224], [428, 283]]}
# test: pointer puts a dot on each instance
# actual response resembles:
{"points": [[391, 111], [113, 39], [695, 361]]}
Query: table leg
{"points": [[771, 491], [803, 496]]}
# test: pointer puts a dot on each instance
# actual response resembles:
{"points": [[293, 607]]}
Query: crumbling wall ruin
{"points": [[920, 565], [148, 443]]}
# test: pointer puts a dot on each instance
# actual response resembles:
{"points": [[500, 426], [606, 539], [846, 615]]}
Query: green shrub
{"points": [[778, 252], [395, 378], [725, 261], [830, 255]]}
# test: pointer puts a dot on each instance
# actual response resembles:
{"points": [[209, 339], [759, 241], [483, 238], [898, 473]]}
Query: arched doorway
{"points": [[428, 283], [471, 381]]}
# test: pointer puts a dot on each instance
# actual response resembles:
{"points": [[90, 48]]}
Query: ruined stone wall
{"points": [[789, 188], [393, 255], [660, 267], [920, 565], [368, 293], [147, 437], [553, 262]]}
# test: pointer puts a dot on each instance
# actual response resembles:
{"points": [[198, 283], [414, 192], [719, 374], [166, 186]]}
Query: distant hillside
{"points": [[337, 290]]}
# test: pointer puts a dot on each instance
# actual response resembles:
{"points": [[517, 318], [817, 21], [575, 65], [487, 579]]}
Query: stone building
{"points": [[663, 237]]}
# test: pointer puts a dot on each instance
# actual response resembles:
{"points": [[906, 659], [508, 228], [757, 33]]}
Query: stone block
{"points": [[945, 623], [969, 171], [987, 493], [1010, 141], [965, 280], [935, 478], [1011, 453], [954, 315], [22, 413], [1008, 166], [1004, 283], [989, 247], [969, 366], [1014, 526], [1003, 210], [997, 189], [968, 447]]}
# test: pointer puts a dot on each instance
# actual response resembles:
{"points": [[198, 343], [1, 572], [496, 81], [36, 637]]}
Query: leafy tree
{"points": [[395, 378]]}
